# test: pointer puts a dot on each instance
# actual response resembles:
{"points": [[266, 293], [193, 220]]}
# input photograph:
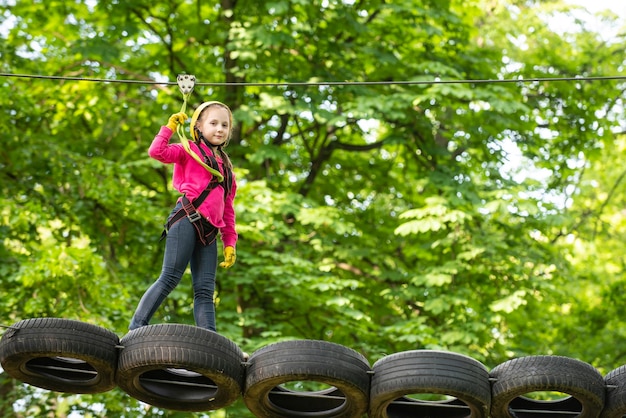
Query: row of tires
{"points": [[186, 368]]}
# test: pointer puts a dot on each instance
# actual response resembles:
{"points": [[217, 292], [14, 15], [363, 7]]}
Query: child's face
{"points": [[215, 125]]}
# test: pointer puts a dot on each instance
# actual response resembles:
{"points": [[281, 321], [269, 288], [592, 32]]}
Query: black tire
{"points": [[344, 370], [60, 354], [180, 367], [398, 375], [615, 382], [515, 378]]}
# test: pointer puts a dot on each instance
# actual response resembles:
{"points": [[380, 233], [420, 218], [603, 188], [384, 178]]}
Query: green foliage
{"points": [[480, 218]]}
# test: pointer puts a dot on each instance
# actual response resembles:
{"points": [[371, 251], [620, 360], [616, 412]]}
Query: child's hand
{"points": [[229, 257], [176, 119]]}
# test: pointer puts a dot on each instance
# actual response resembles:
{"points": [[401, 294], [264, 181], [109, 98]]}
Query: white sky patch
{"points": [[594, 6], [7, 24]]}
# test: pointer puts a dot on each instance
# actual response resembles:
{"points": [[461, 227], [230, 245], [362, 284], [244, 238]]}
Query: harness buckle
{"points": [[194, 216]]}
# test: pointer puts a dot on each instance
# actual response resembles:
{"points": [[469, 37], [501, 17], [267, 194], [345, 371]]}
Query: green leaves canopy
{"points": [[478, 217]]}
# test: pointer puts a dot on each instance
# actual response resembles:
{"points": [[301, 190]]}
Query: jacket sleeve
{"points": [[162, 151]]}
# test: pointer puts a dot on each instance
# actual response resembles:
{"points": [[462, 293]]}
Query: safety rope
{"points": [[186, 82]]}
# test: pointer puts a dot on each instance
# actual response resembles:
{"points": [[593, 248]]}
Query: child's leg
{"points": [[179, 247], [203, 270]]}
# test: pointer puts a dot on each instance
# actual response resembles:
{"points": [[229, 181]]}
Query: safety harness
{"points": [[206, 232]]}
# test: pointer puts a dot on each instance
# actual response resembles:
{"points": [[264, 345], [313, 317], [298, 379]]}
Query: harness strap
{"points": [[227, 179], [206, 232]]}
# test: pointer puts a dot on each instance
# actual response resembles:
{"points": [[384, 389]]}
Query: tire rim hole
{"points": [[180, 384], [431, 397], [428, 404], [307, 386], [64, 369], [182, 372], [301, 398], [545, 401]]}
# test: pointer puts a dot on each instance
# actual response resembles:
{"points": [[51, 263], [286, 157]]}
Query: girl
{"points": [[204, 209]]}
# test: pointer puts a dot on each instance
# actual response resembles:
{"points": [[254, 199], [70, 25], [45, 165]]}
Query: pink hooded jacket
{"points": [[190, 178]]}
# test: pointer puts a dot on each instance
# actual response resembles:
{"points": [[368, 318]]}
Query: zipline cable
{"points": [[436, 80]]}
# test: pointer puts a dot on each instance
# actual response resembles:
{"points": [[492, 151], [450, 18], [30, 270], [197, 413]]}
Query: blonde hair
{"points": [[197, 117]]}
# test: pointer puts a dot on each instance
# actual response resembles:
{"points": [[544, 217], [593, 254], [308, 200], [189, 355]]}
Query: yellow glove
{"points": [[176, 119], [229, 257]]}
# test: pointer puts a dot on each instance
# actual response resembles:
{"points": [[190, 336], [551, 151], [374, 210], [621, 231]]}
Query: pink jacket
{"points": [[190, 178]]}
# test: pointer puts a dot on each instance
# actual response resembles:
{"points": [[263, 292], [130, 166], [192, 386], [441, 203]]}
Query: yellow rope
{"points": [[180, 130]]}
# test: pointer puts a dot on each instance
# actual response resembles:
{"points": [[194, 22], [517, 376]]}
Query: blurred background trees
{"points": [[392, 195]]}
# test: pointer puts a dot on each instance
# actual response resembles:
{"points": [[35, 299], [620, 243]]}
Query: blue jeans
{"points": [[182, 248]]}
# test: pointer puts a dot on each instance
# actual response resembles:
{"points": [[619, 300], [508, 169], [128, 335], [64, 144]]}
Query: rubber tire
{"points": [[61, 355], [615, 382], [343, 369], [154, 358], [514, 378], [429, 372]]}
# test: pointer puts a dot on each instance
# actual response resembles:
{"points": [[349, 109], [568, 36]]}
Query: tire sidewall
{"points": [[53, 339], [516, 377], [430, 372], [307, 360], [177, 346]]}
